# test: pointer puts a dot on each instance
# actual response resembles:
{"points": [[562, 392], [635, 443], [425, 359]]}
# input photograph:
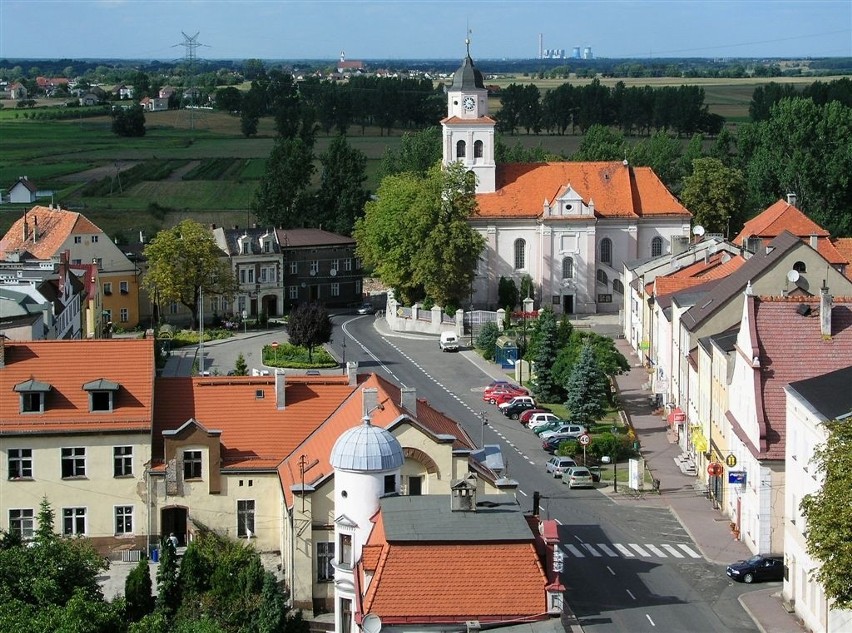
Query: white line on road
{"points": [[606, 550], [610, 570], [656, 550], [639, 549], [592, 550], [578, 538], [629, 593], [689, 550], [624, 550], [575, 551], [671, 550], [558, 522], [523, 493], [650, 620]]}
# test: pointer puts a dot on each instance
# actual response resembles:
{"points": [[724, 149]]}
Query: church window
{"points": [[617, 286], [477, 149], [567, 268], [602, 277], [606, 251], [520, 254], [656, 246], [460, 149]]}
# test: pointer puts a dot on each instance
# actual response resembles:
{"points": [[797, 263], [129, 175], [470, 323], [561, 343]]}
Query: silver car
{"points": [[578, 477], [558, 465]]}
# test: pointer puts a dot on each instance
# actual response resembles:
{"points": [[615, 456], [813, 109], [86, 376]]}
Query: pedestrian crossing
{"points": [[630, 550]]}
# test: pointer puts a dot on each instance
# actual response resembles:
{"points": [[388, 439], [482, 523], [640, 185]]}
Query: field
{"points": [[197, 163]]}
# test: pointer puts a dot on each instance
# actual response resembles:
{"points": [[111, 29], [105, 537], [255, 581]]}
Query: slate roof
{"points": [[617, 191], [468, 76], [231, 240], [785, 340], [829, 393], [54, 227], [295, 238], [67, 365]]}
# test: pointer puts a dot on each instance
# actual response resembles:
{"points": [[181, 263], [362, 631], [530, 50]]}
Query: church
{"points": [[570, 226]]}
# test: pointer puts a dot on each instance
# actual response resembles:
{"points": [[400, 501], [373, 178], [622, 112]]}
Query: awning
{"points": [[676, 416], [698, 439]]}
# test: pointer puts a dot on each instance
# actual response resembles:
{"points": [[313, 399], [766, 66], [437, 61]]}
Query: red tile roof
{"points": [[66, 366], [255, 434], [717, 266], [54, 227], [616, 190], [786, 339], [844, 247]]}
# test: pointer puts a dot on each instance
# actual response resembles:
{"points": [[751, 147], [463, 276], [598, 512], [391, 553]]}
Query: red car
{"points": [[525, 416], [493, 395], [505, 396]]}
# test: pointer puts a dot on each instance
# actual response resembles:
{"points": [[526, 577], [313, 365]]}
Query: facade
{"points": [[75, 427], [22, 192], [45, 232], [569, 226]]}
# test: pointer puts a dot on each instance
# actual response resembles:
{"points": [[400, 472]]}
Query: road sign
{"points": [[584, 439], [731, 460], [714, 469]]}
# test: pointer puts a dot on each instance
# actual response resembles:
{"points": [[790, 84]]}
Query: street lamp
{"points": [[484, 420], [344, 354], [614, 460]]}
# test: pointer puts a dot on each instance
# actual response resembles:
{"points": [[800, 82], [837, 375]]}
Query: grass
{"points": [[296, 357]]}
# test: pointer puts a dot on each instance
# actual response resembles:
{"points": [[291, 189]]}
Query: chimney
{"points": [[352, 373], [791, 199], [280, 389], [26, 228], [814, 241], [370, 397], [35, 229], [408, 399], [824, 311]]}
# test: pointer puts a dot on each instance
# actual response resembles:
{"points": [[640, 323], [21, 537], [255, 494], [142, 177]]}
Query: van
{"points": [[449, 342]]}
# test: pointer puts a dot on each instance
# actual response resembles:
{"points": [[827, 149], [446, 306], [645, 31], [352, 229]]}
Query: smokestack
{"points": [[280, 389], [408, 399], [352, 373], [824, 311], [370, 397], [814, 241], [791, 199]]}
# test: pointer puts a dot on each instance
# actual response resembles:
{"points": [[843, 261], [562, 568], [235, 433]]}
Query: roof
{"points": [[54, 227], [67, 366], [468, 76], [255, 433], [843, 245], [829, 394], [293, 238], [228, 240], [447, 572], [618, 191], [367, 448], [26, 183], [785, 338]]}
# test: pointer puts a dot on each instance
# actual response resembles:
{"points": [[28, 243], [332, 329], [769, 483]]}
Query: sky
{"points": [[423, 29]]}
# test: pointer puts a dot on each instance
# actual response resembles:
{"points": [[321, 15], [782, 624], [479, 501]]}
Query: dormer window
{"points": [[33, 395], [101, 395], [245, 247]]}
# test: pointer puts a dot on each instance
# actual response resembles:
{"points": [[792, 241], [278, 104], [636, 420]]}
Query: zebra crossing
{"points": [[630, 550]]}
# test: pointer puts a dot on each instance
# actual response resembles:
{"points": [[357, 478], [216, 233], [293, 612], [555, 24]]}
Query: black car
{"points": [[515, 410], [757, 568]]}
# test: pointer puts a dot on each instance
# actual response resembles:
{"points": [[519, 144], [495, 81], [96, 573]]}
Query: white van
{"points": [[449, 342]]}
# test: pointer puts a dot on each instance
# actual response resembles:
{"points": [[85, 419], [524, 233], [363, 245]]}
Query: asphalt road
{"points": [[627, 568]]}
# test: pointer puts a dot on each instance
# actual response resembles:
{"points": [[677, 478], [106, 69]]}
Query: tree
{"points": [[341, 196], [137, 591], [661, 153], [229, 99], [184, 262], [829, 515], [418, 152], [129, 122], [544, 387], [240, 367], [309, 325], [280, 199], [486, 340], [168, 586], [507, 293], [601, 143], [587, 388], [714, 194]]}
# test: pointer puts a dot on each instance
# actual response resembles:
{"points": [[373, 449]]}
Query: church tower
{"points": [[468, 130]]}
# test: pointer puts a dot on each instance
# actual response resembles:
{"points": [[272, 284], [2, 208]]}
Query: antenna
{"points": [[698, 230], [792, 276]]}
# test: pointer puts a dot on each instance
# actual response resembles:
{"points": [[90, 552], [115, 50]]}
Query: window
{"points": [[345, 559], [124, 315], [94, 239], [656, 246], [78, 239], [245, 518], [124, 519], [606, 251], [73, 521], [241, 303], [107, 314], [294, 268], [357, 263], [267, 274], [173, 307], [617, 286], [76, 261], [415, 486], [800, 267], [335, 264], [347, 264], [123, 287], [122, 461], [294, 292], [477, 149], [567, 268], [602, 278], [250, 275], [520, 254], [245, 247], [460, 149], [192, 464], [242, 275], [108, 288], [100, 401], [390, 484], [314, 267], [325, 556], [21, 522], [604, 298], [73, 462], [99, 262], [335, 290], [32, 402], [357, 286], [20, 463], [267, 246]]}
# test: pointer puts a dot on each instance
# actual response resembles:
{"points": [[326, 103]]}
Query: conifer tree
{"points": [[587, 388]]}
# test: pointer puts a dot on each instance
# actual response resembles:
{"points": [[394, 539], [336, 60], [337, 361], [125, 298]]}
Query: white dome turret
{"points": [[367, 448]]}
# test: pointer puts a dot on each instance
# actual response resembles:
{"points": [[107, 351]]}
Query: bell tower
{"points": [[468, 130]]}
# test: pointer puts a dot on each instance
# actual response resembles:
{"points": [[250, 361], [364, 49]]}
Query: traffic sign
{"points": [[714, 469], [731, 460], [584, 439]]}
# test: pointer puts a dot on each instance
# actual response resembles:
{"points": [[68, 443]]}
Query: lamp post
{"points": [[344, 354], [614, 460], [484, 420]]}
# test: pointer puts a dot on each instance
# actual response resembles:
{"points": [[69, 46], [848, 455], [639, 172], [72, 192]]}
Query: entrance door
{"points": [[173, 521], [568, 304]]}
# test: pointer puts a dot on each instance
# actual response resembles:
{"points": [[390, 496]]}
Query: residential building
{"points": [[45, 232], [75, 429], [22, 192], [813, 406], [570, 226], [154, 104], [17, 91]]}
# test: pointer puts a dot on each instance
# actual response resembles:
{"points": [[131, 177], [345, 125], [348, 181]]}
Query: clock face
{"points": [[469, 103]]}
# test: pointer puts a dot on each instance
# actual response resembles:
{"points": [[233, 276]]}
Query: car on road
{"points": [[558, 465], [525, 416], [757, 568], [568, 429], [515, 410], [578, 477], [366, 308], [505, 404], [542, 419]]}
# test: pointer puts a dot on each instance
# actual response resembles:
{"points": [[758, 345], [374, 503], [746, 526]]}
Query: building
{"points": [[75, 428], [22, 192], [45, 232], [569, 226]]}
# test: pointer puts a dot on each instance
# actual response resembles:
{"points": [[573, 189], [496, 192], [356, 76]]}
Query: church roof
{"points": [[467, 77], [617, 191]]}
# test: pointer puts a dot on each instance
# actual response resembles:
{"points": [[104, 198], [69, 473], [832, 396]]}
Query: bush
{"points": [[608, 444], [296, 357], [487, 340]]}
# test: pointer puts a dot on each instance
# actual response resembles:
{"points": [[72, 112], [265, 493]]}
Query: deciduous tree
{"points": [[715, 195], [309, 325], [129, 122], [341, 196], [281, 198]]}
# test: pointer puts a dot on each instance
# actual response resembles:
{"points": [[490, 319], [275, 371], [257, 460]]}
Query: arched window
{"points": [[477, 149], [520, 254], [460, 147], [617, 286], [800, 267], [567, 268], [606, 251], [602, 278], [656, 246], [470, 182]]}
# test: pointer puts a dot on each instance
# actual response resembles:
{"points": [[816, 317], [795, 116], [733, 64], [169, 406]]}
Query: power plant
{"points": [[559, 53]]}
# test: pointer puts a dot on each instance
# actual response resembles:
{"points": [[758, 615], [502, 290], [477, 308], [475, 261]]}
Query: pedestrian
{"points": [[173, 540]]}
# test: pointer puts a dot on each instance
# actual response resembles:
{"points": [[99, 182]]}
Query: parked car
{"points": [[505, 404], [558, 465], [499, 383], [552, 443], [492, 395], [539, 420], [366, 308], [578, 477], [515, 410], [569, 430], [596, 473], [504, 397], [525, 416], [757, 568]]}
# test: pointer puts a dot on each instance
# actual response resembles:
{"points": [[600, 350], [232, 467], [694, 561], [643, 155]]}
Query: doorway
{"points": [[173, 521], [567, 304]]}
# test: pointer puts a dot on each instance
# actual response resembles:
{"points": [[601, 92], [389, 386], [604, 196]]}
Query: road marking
{"points": [[650, 620], [575, 551], [656, 550], [578, 538], [606, 550], [686, 548], [525, 494], [624, 550], [558, 522], [671, 550], [639, 549], [610, 570], [629, 593], [592, 550]]}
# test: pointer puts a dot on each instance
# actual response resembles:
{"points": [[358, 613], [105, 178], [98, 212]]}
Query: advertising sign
{"points": [[736, 477]]}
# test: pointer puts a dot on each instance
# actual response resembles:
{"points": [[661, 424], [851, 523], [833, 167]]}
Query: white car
{"points": [[568, 431], [515, 400], [540, 419]]}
